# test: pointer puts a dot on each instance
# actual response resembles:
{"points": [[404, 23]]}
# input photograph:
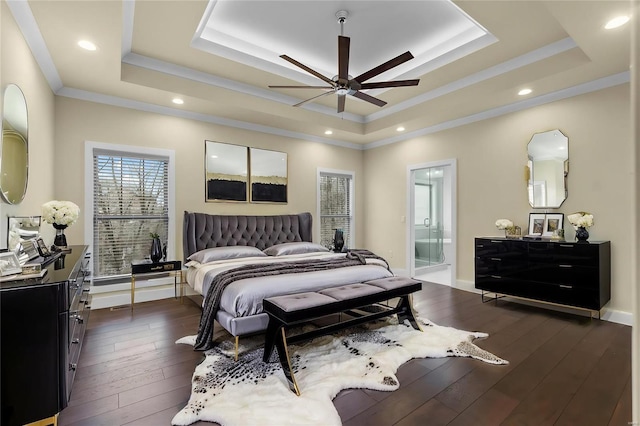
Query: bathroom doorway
{"points": [[431, 225]]}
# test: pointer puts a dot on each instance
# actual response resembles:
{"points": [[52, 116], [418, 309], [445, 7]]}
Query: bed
{"points": [[257, 257]]}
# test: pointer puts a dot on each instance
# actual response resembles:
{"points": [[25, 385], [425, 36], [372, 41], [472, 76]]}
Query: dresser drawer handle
{"points": [[75, 341], [496, 276], [480, 245], [566, 245], [565, 266], [565, 286], [497, 259], [72, 366], [496, 241]]}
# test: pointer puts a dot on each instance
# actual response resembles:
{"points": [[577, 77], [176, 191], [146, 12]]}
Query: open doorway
{"points": [[431, 246]]}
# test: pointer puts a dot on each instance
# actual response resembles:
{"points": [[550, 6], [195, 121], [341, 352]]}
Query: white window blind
{"points": [[336, 207], [130, 196]]}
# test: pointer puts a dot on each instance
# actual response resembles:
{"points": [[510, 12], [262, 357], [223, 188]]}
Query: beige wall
{"points": [[491, 157], [80, 121], [19, 67]]}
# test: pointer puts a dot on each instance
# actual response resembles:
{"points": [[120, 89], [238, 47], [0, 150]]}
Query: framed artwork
{"points": [[268, 175], [536, 223], [225, 172], [9, 264], [553, 222]]}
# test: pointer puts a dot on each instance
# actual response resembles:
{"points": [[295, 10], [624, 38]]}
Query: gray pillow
{"points": [[222, 253], [294, 248]]}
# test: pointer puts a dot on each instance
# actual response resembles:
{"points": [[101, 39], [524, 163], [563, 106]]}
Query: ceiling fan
{"points": [[343, 84]]}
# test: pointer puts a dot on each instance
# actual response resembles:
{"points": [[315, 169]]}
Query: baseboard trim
{"points": [[120, 298]]}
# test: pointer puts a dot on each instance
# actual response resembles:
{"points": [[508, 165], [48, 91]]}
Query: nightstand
{"points": [[146, 266]]}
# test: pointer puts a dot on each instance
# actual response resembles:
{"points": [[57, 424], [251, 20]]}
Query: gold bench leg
{"points": [[237, 343], [285, 361]]}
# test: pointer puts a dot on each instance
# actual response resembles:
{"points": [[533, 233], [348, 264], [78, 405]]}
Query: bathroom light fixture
{"points": [[177, 101], [616, 22], [87, 45], [524, 92]]}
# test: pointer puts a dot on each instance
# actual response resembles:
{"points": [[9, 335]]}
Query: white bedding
{"points": [[244, 297]]}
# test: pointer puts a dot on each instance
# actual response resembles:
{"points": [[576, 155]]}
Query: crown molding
{"points": [[31, 32], [580, 89], [85, 95]]}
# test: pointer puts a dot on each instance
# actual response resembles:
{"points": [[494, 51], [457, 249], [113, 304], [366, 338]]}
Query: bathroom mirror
{"points": [[14, 164], [548, 167]]}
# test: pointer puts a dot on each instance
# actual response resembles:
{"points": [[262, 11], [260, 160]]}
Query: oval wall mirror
{"points": [[14, 164], [548, 168]]}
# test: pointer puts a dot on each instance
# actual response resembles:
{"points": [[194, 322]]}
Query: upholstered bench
{"points": [[296, 309]]}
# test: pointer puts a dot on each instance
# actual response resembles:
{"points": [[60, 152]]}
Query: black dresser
{"points": [[565, 273], [42, 323]]}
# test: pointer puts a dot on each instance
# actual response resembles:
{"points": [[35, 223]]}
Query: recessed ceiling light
{"points": [[177, 101], [524, 92], [87, 45], [400, 129], [328, 132], [617, 22]]}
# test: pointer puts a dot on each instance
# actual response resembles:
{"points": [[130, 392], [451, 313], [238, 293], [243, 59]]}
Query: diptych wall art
{"points": [[239, 173]]}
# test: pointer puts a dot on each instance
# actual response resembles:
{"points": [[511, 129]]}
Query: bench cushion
{"points": [[392, 283], [350, 291], [300, 301]]}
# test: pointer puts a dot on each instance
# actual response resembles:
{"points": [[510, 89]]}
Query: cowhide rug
{"points": [[251, 392]]}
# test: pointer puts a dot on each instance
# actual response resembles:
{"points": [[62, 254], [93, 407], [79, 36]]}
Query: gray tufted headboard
{"points": [[202, 230]]}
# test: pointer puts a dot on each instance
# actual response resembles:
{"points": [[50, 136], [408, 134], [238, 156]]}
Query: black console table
{"points": [[560, 272], [43, 322]]}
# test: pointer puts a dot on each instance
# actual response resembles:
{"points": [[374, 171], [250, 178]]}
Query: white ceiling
{"points": [[472, 57]]}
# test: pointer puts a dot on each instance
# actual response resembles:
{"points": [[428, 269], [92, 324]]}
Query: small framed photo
{"points": [[536, 223], [9, 264], [30, 249], [42, 248], [554, 222]]}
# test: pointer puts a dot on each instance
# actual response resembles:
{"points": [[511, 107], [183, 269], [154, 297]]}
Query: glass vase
{"points": [[60, 240]]}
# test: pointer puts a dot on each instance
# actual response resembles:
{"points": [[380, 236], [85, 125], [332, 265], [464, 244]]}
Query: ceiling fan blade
{"points": [[311, 99], [343, 58], [384, 67], [307, 69], [301, 87], [341, 102], [369, 98], [383, 84]]}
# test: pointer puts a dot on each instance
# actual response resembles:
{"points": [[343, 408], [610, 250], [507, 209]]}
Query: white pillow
{"points": [[222, 253], [294, 248]]}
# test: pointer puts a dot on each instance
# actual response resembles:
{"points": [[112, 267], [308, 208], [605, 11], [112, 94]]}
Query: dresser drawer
{"points": [[586, 277], [565, 253]]}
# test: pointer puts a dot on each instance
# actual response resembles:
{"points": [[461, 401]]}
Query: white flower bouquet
{"points": [[581, 220], [62, 213], [504, 224]]}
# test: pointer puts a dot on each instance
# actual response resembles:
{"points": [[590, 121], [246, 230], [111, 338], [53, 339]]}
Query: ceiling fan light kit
{"points": [[343, 84]]}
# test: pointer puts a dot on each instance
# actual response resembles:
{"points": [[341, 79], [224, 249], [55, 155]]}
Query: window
{"points": [[131, 200], [335, 205]]}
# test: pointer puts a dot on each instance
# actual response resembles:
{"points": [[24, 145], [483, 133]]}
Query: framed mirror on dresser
{"points": [[547, 169]]}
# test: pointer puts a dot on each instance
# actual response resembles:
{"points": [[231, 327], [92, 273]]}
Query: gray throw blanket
{"points": [[222, 280]]}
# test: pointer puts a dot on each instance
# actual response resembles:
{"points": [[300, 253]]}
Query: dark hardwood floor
{"points": [[564, 369]]}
